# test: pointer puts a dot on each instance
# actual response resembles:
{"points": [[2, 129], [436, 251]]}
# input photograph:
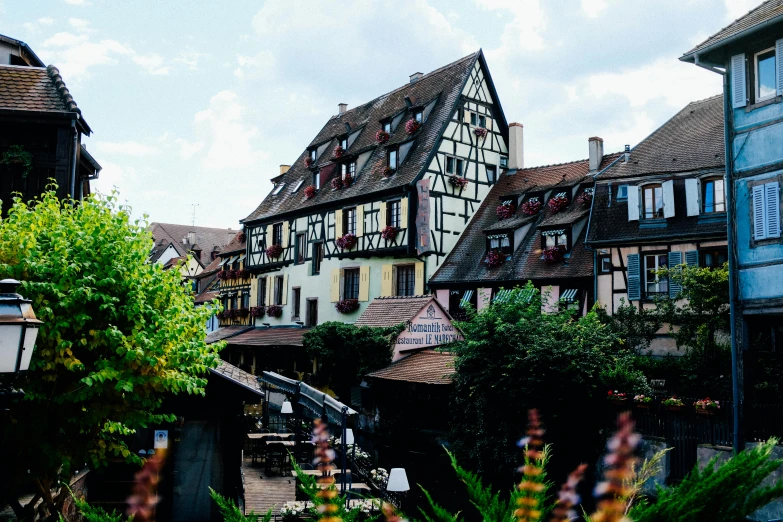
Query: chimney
{"points": [[516, 158], [627, 154], [342, 107], [415, 77], [284, 168], [596, 147], [192, 238]]}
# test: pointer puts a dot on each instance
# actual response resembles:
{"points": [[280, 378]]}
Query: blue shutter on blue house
{"points": [[634, 279], [675, 259], [692, 258]]}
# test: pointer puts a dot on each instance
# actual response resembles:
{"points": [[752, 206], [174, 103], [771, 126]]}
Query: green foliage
{"points": [[18, 157], [636, 327], [119, 334], [309, 486], [725, 493], [346, 352], [231, 513]]}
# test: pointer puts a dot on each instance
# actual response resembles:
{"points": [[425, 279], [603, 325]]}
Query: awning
{"points": [[231, 261], [466, 298], [524, 295], [223, 261], [241, 257], [502, 296], [568, 295]]}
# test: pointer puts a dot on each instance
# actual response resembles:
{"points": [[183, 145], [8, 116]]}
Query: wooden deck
{"points": [[263, 492]]}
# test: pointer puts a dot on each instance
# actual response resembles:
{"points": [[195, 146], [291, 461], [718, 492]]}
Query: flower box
{"points": [[557, 203], [309, 162], [346, 306], [242, 312], [458, 182], [480, 132], [274, 310], [346, 242], [274, 251], [339, 151], [257, 311], [707, 406], [532, 206], [673, 404], [309, 191], [412, 126], [347, 181], [504, 211], [389, 233], [709, 413], [337, 184], [585, 198], [387, 171], [495, 258], [553, 254], [382, 136], [674, 408]]}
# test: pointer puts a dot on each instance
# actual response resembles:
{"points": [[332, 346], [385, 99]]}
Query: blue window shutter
{"points": [[675, 259], [634, 281], [692, 258], [739, 93]]}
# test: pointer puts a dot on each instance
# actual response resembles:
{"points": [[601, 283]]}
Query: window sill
{"points": [[652, 223], [712, 217], [769, 101]]}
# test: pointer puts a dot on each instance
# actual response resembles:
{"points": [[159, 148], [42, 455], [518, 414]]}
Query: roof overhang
{"points": [[698, 57]]}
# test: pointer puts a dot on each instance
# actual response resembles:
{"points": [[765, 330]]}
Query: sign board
{"points": [[428, 328], [423, 217], [161, 439]]}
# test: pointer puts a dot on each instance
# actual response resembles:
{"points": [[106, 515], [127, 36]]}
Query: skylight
{"points": [[298, 185], [278, 189]]}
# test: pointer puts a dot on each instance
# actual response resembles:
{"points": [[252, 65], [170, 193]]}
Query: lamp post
{"points": [[18, 332], [397, 482], [350, 440]]}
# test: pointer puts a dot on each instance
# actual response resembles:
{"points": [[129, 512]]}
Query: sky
{"points": [[195, 104]]}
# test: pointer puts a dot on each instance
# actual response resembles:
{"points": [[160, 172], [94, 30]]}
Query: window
{"points": [[622, 193], [296, 296], [449, 165], [301, 249], [279, 290], [318, 256], [473, 118], [246, 300], [713, 258], [312, 312], [387, 127], [653, 284], [393, 213], [653, 201], [606, 265], [405, 280], [392, 159], [344, 143], [555, 238], [262, 291], [482, 121], [460, 167], [503, 162], [349, 221], [765, 75], [491, 174], [500, 242], [277, 234], [713, 196], [351, 283], [278, 188], [312, 154], [298, 185], [418, 116], [317, 180], [348, 169], [766, 211]]}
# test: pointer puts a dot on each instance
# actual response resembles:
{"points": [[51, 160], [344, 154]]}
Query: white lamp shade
{"points": [[31, 334], [398, 480], [286, 408], [349, 436], [10, 335]]}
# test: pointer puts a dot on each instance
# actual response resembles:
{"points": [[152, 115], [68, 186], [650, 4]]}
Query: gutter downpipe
{"points": [[73, 158]]}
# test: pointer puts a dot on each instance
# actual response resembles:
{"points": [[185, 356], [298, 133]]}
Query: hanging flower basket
{"points": [[274, 251], [553, 254], [309, 162], [257, 311], [346, 306], [346, 242], [339, 151], [585, 198], [557, 203], [309, 191], [412, 126], [707, 407], [274, 310], [532, 206], [382, 136], [480, 132], [347, 181], [495, 258], [337, 183], [458, 182], [642, 402], [387, 171], [389, 233], [504, 211]]}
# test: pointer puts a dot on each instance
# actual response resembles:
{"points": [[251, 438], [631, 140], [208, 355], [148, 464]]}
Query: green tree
{"points": [[119, 334], [345, 353]]}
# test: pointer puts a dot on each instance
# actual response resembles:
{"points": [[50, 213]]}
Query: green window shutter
{"points": [[675, 259], [634, 279], [692, 258]]}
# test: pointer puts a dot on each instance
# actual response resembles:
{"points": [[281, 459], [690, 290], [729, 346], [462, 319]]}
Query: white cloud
{"points": [[188, 149], [737, 8], [127, 148], [80, 25], [524, 31], [46, 21], [593, 8], [77, 2], [152, 63], [190, 58]]}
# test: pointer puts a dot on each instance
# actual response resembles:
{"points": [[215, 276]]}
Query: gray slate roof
{"points": [[208, 239]]}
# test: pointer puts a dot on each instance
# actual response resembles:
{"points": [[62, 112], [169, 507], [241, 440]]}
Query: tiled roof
{"points": [[425, 367], [270, 337], [237, 244], [237, 376], [571, 214], [26, 50], [691, 140], [761, 14], [444, 85], [209, 239], [391, 311], [466, 263], [226, 332], [206, 296]]}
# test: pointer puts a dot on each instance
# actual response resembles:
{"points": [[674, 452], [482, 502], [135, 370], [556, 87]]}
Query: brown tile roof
{"points": [[767, 11], [209, 239], [391, 311], [282, 336], [237, 376], [206, 296], [444, 85], [425, 367], [226, 332], [237, 244], [691, 140]]}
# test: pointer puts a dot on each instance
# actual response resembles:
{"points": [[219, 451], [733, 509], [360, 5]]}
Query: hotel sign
{"points": [[429, 328]]}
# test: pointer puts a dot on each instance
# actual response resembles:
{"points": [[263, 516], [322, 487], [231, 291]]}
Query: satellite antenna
{"points": [[193, 221]]}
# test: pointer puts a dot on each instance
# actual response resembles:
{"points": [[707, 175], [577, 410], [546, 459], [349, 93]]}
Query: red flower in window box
{"points": [[480, 132], [222, 315], [557, 203], [337, 183], [274, 251], [505, 211], [458, 182], [382, 136], [346, 242], [228, 274], [242, 274], [387, 171], [347, 181], [339, 151], [243, 312], [389, 233], [309, 191], [532, 206], [257, 311], [309, 162], [585, 198], [346, 306], [495, 258], [274, 310], [412, 126], [553, 254]]}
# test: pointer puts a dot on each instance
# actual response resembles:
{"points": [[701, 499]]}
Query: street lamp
{"points": [[398, 480], [286, 408], [18, 329]]}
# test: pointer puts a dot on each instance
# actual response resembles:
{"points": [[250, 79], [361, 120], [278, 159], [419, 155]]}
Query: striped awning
{"points": [[568, 295], [502, 296], [241, 257], [524, 295], [466, 297], [223, 261]]}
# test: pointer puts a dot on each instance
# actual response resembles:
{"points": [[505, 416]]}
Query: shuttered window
{"points": [[405, 280], [652, 197], [675, 259], [766, 211], [393, 213], [351, 283], [738, 83], [634, 281]]}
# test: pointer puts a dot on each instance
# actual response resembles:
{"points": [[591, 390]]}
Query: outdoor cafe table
{"points": [[255, 437], [318, 471]]}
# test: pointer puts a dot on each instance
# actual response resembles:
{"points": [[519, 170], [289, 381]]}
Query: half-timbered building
{"points": [[378, 198]]}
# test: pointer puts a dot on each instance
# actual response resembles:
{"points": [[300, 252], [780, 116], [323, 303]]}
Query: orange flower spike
{"points": [[323, 460], [612, 492]]}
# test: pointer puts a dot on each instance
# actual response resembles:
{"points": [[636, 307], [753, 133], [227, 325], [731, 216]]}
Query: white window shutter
{"points": [[668, 198], [779, 65], [739, 93], [759, 214], [772, 197], [692, 196], [633, 203]]}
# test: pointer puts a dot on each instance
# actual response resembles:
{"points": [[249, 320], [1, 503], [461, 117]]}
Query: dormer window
{"points": [[713, 196], [418, 116], [555, 238], [298, 185], [344, 143], [348, 169], [622, 193], [391, 159], [278, 188], [317, 180], [482, 122], [500, 242], [387, 127], [313, 153], [652, 201]]}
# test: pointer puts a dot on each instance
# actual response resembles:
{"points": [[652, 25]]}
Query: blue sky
{"points": [[196, 102]]}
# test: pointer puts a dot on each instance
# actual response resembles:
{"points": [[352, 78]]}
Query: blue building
{"points": [[748, 53]]}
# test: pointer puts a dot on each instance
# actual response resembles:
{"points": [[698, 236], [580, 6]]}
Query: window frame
{"points": [[418, 116], [317, 180], [451, 163], [459, 165], [301, 248], [703, 190], [387, 127], [473, 118], [278, 188], [482, 121], [313, 154], [560, 240], [312, 306], [622, 197], [394, 209], [494, 177], [350, 283], [277, 234], [344, 143], [278, 290], [503, 162], [393, 152], [653, 187], [603, 268], [411, 281], [318, 257], [508, 248], [714, 251], [261, 300], [756, 84], [296, 302], [349, 221], [657, 255]]}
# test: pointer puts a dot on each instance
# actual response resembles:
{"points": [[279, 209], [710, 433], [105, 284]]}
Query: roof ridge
{"points": [[708, 98], [59, 84], [565, 162]]}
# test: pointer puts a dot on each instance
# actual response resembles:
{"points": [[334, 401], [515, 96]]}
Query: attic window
{"points": [[298, 185], [344, 143], [503, 162], [317, 180], [482, 122], [555, 238], [418, 116], [278, 188], [312, 154], [500, 242], [622, 193], [387, 127], [392, 159]]}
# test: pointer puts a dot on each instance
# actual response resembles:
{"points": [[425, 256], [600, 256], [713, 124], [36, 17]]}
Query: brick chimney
{"points": [[342, 107], [596, 148], [516, 156], [284, 168]]}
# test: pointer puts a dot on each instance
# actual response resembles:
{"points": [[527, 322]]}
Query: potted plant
{"points": [[707, 407], [347, 181], [274, 251], [673, 403], [380, 476], [557, 203], [504, 211], [309, 162], [458, 182], [243, 312], [382, 136], [274, 310], [480, 132], [532, 206], [346, 306], [337, 183], [18, 160], [387, 171], [257, 311], [495, 258], [346, 242], [412, 126], [309, 191], [642, 401], [585, 198], [339, 151], [617, 397], [389, 233], [553, 254]]}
